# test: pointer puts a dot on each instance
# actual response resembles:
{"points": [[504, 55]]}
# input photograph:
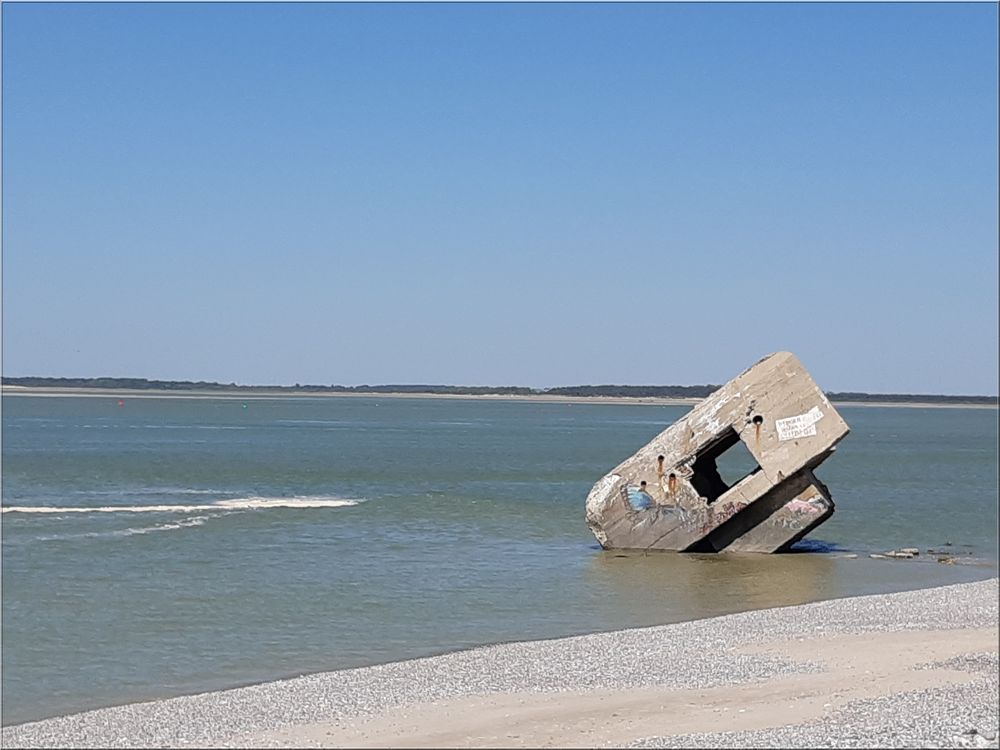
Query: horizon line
{"points": [[4, 379]]}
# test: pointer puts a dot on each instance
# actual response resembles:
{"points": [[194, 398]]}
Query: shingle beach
{"points": [[913, 669]]}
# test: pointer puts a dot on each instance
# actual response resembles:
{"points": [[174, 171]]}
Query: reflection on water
{"points": [[668, 587]]}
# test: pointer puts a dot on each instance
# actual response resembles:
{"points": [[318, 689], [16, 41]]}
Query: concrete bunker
{"points": [[734, 474]]}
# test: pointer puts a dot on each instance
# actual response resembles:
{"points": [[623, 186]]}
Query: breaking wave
{"points": [[236, 504]]}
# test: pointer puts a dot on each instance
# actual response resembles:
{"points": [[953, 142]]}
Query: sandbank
{"points": [[117, 393]]}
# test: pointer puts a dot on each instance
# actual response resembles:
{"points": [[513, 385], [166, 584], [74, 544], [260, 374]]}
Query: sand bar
{"points": [[808, 672], [116, 393]]}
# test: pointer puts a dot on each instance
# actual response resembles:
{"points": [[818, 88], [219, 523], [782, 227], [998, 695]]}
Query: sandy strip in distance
{"points": [[11, 390]]}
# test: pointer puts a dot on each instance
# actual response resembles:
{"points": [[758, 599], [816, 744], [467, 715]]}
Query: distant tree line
{"points": [[903, 398], [203, 385], [629, 391], [635, 391]]}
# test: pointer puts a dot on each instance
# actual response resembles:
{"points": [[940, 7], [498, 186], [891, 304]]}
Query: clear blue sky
{"points": [[501, 194]]}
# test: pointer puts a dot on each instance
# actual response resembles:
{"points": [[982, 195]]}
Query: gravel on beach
{"points": [[956, 716], [696, 654]]}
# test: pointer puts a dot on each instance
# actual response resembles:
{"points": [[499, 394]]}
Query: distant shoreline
{"points": [[16, 390]]}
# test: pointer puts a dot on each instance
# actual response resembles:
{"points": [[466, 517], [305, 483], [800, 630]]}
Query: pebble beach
{"points": [[911, 669]]}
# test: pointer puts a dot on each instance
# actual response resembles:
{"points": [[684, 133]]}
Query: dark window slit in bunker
{"points": [[721, 465]]}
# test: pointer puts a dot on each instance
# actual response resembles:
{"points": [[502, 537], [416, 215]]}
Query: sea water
{"points": [[160, 546]]}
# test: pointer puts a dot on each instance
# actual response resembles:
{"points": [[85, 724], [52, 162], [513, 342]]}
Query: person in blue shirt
{"points": [[639, 499]]}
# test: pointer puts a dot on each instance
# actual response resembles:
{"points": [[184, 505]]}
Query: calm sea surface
{"points": [[230, 541]]}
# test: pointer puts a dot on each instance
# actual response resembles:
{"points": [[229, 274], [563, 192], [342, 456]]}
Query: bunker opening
{"points": [[721, 465]]}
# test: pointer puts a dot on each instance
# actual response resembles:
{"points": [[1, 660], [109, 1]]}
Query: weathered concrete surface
{"points": [[788, 426]]}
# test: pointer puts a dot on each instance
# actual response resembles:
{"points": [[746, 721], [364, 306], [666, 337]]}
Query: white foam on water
{"points": [[59, 510], [187, 522], [132, 531], [254, 503], [242, 503]]}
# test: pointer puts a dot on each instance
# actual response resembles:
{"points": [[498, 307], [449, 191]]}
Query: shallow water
{"points": [[197, 544]]}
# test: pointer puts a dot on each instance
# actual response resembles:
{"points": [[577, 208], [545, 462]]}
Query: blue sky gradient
{"points": [[501, 194]]}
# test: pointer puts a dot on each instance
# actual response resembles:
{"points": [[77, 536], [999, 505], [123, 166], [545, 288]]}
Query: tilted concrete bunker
{"points": [[671, 496]]}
